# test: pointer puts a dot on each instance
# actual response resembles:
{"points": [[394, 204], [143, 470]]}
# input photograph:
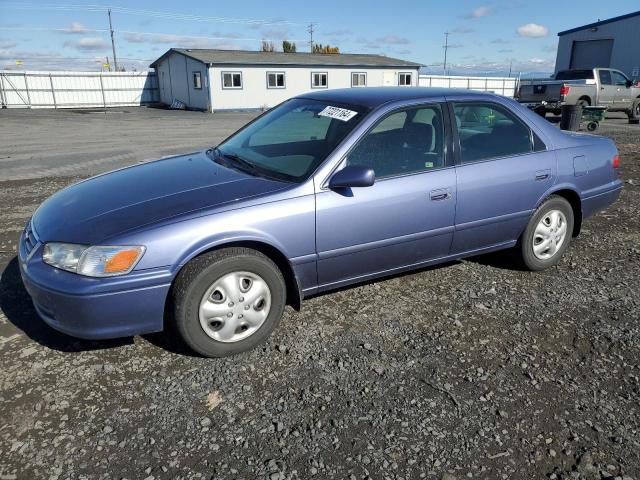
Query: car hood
{"points": [[101, 207]]}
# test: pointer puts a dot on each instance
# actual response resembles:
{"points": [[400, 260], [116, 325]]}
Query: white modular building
{"points": [[214, 80], [612, 43]]}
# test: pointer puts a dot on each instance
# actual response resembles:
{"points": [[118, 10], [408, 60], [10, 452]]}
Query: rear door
{"points": [[607, 93], [503, 169]]}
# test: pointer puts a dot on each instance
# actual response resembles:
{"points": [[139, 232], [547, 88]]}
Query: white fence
{"points": [[501, 85], [76, 89]]}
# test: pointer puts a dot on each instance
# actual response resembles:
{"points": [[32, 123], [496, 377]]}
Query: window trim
{"points": [[446, 143], [326, 74], [284, 80], [196, 74], [457, 157], [359, 73], [231, 72], [405, 73]]}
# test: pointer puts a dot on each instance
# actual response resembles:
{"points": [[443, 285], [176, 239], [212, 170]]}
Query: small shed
{"points": [[612, 43], [214, 80]]}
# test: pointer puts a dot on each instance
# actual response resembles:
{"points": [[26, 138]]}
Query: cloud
{"points": [[404, 52], [455, 45], [180, 41], [393, 40], [463, 30], [88, 44], [6, 44], [76, 28], [505, 50], [479, 12], [533, 30], [344, 32], [483, 65], [500, 41]]}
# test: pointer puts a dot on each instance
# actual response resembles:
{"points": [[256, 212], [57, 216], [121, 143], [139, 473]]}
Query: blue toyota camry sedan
{"points": [[325, 190]]}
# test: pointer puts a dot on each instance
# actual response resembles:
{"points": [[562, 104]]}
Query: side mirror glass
{"points": [[353, 176]]}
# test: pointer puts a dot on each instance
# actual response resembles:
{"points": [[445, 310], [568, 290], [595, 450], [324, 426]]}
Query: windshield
{"points": [[292, 140], [574, 75]]}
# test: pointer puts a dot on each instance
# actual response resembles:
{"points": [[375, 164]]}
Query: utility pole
{"points": [[113, 43], [446, 47], [310, 30], [108, 64], [510, 65]]}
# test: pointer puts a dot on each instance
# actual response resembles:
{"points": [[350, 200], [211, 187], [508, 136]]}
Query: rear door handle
{"points": [[442, 194], [543, 175]]}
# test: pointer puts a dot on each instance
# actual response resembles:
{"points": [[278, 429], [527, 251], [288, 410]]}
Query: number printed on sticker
{"points": [[338, 113]]}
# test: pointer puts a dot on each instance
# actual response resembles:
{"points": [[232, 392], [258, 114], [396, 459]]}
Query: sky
{"points": [[484, 37]]}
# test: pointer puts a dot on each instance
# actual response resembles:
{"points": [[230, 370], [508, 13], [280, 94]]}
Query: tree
{"points": [[319, 48], [267, 46], [288, 47]]}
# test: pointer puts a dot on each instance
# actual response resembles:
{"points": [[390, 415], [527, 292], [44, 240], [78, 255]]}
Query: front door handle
{"points": [[543, 175], [442, 194]]}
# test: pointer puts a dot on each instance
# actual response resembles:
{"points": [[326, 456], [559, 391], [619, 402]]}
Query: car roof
{"points": [[373, 97]]}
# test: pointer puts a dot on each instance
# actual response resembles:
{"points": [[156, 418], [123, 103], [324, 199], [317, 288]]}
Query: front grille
{"points": [[30, 238]]}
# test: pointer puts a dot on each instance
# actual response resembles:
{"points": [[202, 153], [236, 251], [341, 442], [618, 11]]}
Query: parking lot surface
{"points": [[474, 369]]}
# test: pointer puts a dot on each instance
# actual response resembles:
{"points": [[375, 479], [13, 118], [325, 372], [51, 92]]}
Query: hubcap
{"points": [[549, 235], [235, 306]]}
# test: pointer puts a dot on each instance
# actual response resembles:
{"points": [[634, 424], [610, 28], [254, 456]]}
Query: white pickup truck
{"points": [[599, 87]]}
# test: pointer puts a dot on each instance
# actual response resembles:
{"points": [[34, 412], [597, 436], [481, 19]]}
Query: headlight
{"points": [[92, 261]]}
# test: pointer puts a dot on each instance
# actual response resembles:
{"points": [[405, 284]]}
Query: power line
{"points": [[147, 13]]}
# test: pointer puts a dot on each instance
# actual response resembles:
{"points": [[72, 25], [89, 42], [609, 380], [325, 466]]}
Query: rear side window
{"points": [[574, 75], [605, 77], [403, 142], [487, 130]]}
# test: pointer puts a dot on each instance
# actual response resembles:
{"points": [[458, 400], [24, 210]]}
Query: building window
{"points": [[231, 80], [275, 80], [404, 79], [319, 80], [358, 79], [197, 80]]}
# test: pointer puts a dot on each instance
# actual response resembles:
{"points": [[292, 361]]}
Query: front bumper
{"points": [[94, 308]]}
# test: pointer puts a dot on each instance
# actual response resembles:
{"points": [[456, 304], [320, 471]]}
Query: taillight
{"points": [[616, 161], [564, 90]]}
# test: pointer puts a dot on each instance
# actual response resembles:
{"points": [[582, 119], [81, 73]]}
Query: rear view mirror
{"points": [[353, 176]]}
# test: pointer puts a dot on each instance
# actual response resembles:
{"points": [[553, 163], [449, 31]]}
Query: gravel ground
{"points": [[469, 370]]}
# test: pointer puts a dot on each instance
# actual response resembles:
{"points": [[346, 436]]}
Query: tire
{"points": [[541, 111], [210, 312], [634, 113], [592, 126], [583, 102], [538, 258]]}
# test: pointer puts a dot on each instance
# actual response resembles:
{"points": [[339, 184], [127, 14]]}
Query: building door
{"points": [[586, 54]]}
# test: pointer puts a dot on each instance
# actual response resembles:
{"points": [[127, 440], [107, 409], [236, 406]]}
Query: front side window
{"points": [[231, 80], [487, 130], [290, 141], [275, 80], [197, 80], [403, 142], [358, 79], [319, 80], [404, 79], [618, 79], [605, 77]]}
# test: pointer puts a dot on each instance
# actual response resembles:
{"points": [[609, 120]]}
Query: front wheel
{"points": [[547, 235], [634, 113], [228, 301]]}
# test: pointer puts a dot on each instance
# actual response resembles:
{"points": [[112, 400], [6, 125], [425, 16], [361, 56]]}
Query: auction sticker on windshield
{"points": [[338, 113]]}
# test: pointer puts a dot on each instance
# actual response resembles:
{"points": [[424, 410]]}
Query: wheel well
{"points": [[294, 295], [585, 97], [574, 200]]}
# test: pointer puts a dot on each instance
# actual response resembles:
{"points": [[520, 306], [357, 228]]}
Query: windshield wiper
{"points": [[234, 160]]}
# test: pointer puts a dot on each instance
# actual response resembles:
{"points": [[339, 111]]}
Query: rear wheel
{"points": [[583, 102], [634, 113], [228, 301], [547, 235]]}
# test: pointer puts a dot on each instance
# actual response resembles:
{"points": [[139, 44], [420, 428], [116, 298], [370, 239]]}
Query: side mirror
{"points": [[353, 176], [629, 83]]}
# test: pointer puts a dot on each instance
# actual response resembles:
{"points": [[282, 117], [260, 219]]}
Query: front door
{"points": [[406, 217], [624, 97], [504, 170]]}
